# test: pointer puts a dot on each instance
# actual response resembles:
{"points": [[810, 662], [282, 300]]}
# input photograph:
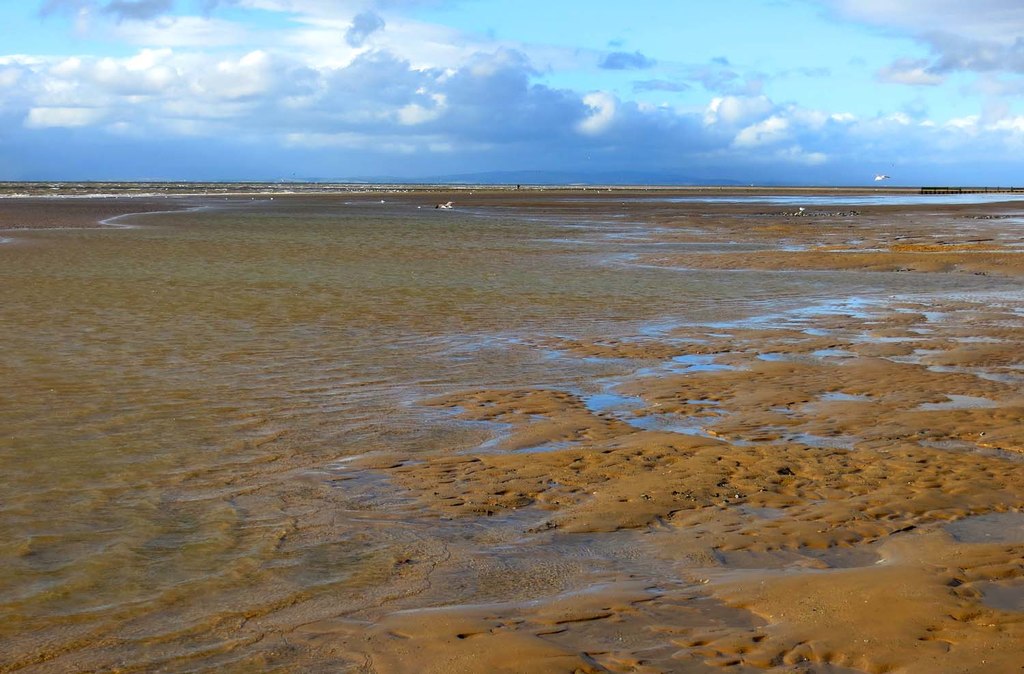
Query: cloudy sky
{"points": [[754, 91]]}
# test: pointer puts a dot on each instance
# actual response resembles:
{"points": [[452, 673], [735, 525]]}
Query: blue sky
{"points": [[752, 91]]}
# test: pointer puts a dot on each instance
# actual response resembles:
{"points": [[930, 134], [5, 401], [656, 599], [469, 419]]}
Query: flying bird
{"points": [[881, 176]]}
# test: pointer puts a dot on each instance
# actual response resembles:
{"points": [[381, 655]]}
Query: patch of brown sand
{"points": [[614, 348], [839, 552], [914, 612], [499, 638]]}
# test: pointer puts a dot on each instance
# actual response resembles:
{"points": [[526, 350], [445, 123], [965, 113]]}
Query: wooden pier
{"points": [[972, 190]]}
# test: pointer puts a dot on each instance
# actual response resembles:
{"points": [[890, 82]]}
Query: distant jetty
{"points": [[971, 190]]}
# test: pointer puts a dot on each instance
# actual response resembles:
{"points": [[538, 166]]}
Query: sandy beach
{"points": [[576, 430]]}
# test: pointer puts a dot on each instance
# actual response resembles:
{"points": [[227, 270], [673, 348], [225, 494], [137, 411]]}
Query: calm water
{"points": [[178, 402]]}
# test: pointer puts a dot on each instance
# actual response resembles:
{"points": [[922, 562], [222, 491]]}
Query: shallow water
{"points": [[881, 199], [991, 528], [960, 402], [1005, 596], [183, 402]]}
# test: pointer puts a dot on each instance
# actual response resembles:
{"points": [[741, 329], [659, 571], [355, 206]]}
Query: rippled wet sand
{"points": [[544, 431]]}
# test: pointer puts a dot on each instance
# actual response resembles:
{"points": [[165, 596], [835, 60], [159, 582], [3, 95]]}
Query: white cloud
{"points": [[797, 155], [46, 118], [968, 123], [181, 31], [145, 73], [910, 71], [811, 119], [601, 108], [1014, 125], [983, 20], [322, 40], [766, 132], [979, 36], [249, 76], [344, 9], [322, 46], [68, 67], [414, 113], [9, 77], [735, 110]]}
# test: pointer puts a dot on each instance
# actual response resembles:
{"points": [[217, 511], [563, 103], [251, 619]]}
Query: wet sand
{"points": [[548, 431]]}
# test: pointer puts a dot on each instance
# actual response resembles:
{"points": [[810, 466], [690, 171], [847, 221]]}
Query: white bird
{"points": [[881, 176], [444, 205]]}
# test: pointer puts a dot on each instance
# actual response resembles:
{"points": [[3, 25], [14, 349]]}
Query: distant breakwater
{"points": [[971, 190]]}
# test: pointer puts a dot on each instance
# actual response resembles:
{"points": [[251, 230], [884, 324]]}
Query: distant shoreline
{"points": [[111, 189]]}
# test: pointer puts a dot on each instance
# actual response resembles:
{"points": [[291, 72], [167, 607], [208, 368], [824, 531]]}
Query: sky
{"points": [[805, 92]]}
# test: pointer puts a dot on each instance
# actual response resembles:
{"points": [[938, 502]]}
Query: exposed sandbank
{"points": [[804, 481]]}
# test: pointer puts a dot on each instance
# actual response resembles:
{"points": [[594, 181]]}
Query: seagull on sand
{"points": [[444, 205]]}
